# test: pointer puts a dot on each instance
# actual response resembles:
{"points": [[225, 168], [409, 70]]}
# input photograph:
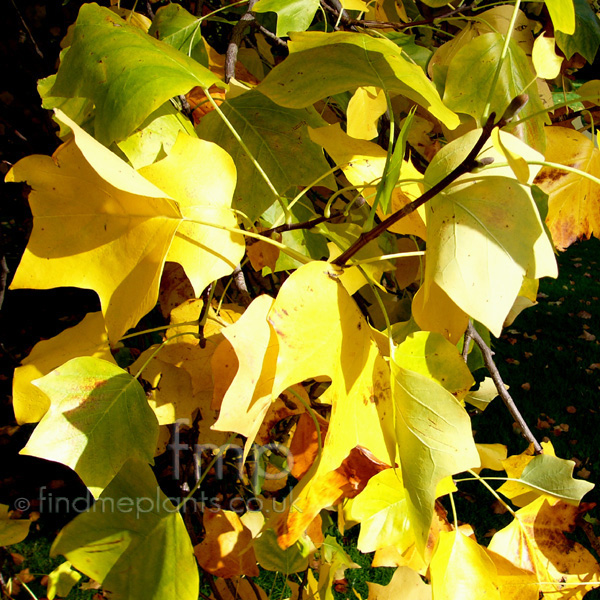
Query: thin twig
{"points": [[466, 345], [211, 582], [502, 391], [231, 588], [400, 26], [37, 48], [303, 583], [3, 278], [254, 588], [270, 34], [205, 297], [305, 225], [236, 39], [574, 115]]}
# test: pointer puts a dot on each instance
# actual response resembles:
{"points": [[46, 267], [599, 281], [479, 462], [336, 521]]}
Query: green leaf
{"points": [[132, 541], [272, 557], [547, 474], [12, 531], [62, 580], [98, 419], [155, 137], [470, 77], [586, 38], [292, 15], [175, 26], [485, 233], [125, 72], [276, 137], [406, 43], [434, 440], [323, 64]]}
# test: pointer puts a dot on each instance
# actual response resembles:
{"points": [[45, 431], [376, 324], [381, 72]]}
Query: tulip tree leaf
{"points": [[360, 60], [434, 440], [99, 417], [127, 73], [586, 38], [470, 77], [292, 15], [175, 26], [276, 136], [132, 541], [99, 224], [482, 225]]}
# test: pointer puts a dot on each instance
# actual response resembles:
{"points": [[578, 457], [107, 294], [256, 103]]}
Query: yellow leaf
{"points": [[99, 224], [363, 162], [363, 112], [88, 338], [492, 456], [435, 311], [460, 568], [574, 203], [405, 584], [12, 531], [545, 60], [354, 5], [517, 163], [249, 396], [435, 357], [226, 550], [201, 176], [535, 541]]}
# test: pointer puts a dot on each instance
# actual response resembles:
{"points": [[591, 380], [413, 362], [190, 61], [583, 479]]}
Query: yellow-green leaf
{"points": [[99, 418], [485, 234], [62, 580], [87, 338], [361, 60], [132, 541], [545, 60], [434, 440], [12, 531], [562, 13]]}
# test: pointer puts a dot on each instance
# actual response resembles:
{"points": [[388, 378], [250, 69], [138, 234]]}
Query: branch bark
{"points": [[235, 41], [502, 391]]}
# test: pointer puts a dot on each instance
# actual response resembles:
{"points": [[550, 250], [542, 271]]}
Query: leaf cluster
{"points": [[333, 218]]}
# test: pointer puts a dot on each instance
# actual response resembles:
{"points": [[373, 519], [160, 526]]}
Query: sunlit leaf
{"points": [[132, 541], [484, 224], [126, 73], [360, 60], [434, 440], [62, 580], [364, 109], [535, 541], [98, 418], [405, 584], [562, 13], [460, 568], [574, 202], [87, 338], [100, 225]]}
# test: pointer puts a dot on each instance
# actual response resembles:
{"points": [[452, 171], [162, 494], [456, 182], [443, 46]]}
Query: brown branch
{"points": [[305, 225], [254, 588], [270, 34], [239, 281], [303, 583], [469, 164], [578, 113], [236, 39], [3, 278], [502, 391], [400, 26], [205, 297], [466, 345]]}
